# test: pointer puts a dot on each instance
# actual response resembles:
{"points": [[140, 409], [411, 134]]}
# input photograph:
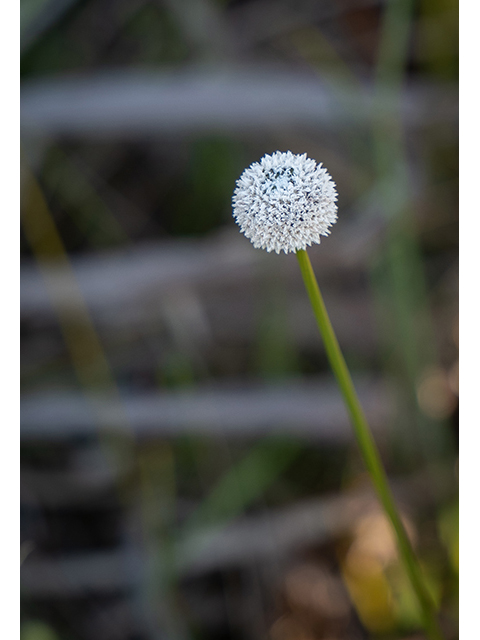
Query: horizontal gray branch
{"points": [[138, 102], [312, 409], [275, 533], [121, 279]]}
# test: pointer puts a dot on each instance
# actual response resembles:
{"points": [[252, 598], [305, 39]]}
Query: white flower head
{"points": [[285, 202]]}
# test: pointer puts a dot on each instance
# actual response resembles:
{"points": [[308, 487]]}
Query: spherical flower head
{"points": [[285, 202]]}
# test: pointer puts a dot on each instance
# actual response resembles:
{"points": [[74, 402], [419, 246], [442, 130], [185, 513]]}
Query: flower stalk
{"points": [[287, 202], [368, 447]]}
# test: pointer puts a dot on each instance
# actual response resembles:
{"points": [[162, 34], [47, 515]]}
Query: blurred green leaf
{"points": [[36, 630], [276, 356], [245, 482], [203, 200], [448, 524]]}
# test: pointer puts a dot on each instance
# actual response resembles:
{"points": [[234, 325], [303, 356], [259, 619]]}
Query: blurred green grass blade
{"points": [[397, 272], [275, 351], [244, 483], [37, 630], [394, 41], [448, 525], [389, 153], [400, 277], [401, 296]]}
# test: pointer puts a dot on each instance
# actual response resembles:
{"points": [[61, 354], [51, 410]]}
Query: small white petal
{"points": [[285, 202]]}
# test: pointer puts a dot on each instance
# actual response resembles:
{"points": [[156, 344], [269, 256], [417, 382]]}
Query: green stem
{"points": [[368, 447]]}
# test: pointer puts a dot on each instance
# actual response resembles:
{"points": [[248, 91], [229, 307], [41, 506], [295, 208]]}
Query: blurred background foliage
{"points": [[187, 466]]}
